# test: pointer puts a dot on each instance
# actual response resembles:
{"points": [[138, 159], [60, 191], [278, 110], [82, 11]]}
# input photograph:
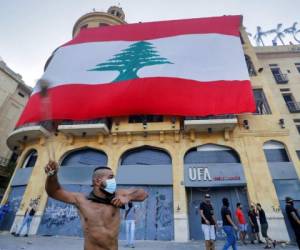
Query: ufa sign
{"points": [[199, 174]]}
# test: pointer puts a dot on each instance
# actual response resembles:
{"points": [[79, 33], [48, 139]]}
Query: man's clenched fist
{"points": [[51, 168]]}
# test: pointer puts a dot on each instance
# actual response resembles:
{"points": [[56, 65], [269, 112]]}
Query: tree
{"points": [[131, 60], [258, 36], [279, 34], [293, 31]]}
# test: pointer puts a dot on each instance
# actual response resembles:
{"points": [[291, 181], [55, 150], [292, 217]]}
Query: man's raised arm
{"points": [[53, 187]]}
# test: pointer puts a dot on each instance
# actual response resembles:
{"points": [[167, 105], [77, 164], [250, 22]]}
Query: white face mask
{"points": [[111, 185]]}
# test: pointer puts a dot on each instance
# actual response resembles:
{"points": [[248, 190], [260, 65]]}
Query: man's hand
{"points": [[207, 222], [119, 200], [51, 168], [235, 228]]}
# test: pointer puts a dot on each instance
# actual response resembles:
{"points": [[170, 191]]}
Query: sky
{"points": [[30, 30]]}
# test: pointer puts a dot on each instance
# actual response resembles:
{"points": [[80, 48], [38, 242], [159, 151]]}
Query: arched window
{"points": [[146, 156], [211, 153], [85, 157], [275, 152], [30, 160], [250, 66]]}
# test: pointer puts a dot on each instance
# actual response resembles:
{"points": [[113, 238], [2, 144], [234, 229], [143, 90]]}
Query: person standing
{"points": [[228, 226], [30, 212], [130, 225], [254, 225], [293, 217], [208, 223], [264, 227], [242, 222]]}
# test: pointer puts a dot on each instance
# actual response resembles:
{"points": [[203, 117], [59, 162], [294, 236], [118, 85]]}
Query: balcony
{"points": [[210, 123], [294, 107], [281, 78], [84, 128], [26, 133]]}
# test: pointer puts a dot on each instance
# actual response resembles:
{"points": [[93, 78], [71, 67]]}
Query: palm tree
{"points": [[258, 36], [279, 34], [293, 31]]}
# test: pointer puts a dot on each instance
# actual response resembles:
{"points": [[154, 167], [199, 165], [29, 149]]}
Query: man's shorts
{"points": [[264, 230], [255, 228], [209, 232], [243, 227]]}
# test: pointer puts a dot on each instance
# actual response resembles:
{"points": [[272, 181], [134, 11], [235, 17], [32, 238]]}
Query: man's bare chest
{"points": [[92, 213]]}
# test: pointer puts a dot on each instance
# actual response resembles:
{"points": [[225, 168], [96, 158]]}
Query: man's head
{"points": [[103, 179], [225, 202], [239, 205], [258, 206], [289, 201], [207, 198], [252, 208]]}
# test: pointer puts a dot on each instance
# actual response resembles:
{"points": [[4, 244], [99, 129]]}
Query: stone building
{"points": [[14, 94], [248, 158]]}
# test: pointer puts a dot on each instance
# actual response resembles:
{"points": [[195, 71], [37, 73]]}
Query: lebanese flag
{"points": [[192, 67]]}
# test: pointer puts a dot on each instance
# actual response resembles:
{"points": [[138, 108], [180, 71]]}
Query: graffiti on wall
{"points": [[13, 202], [60, 215]]}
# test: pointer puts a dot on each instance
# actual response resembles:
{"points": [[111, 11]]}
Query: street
{"points": [[9, 242]]}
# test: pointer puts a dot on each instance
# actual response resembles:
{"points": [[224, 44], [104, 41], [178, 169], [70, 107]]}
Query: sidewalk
{"points": [[8, 242]]}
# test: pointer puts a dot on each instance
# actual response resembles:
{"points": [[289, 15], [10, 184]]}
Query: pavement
{"points": [[9, 242]]}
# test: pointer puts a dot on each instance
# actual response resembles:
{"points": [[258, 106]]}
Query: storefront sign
{"points": [[207, 175]]}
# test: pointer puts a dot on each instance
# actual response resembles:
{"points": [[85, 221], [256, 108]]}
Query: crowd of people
{"points": [[236, 227]]}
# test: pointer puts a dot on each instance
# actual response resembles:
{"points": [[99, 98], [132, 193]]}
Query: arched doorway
{"points": [[284, 176], [75, 175], [151, 169], [18, 186], [216, 170]]}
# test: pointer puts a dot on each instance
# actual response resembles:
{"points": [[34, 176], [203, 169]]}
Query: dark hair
{"points": [[238, 204], [225, 201], [258, 204], [101, 167]]}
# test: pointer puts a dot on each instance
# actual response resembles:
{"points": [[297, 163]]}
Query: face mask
{"points": [[111, 185]]}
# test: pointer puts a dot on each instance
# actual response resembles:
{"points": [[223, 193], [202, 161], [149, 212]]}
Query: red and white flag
{"points": [[193, 67]]}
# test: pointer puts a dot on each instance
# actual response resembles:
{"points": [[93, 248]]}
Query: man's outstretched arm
{"points": [[123, 196], [54, 189]]}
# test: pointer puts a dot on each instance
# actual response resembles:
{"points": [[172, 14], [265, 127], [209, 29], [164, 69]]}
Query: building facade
{"points": [[248, 158], [13, 97]]}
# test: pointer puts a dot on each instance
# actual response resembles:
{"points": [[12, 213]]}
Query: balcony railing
{"points": [[294, 107], [210, 123], [281, 78], [211, 117]]}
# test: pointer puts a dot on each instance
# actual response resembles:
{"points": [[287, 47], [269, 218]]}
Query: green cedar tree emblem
{"points": [[131, 59]]}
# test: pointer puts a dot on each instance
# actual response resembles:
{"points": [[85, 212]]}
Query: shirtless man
{"points": [[100, 210]]}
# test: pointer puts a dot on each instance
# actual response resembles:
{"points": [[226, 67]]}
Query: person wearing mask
{"points": [[228, 226], [294, 218], [254, 225], [264, 227], [242, 222], [208, 223]]}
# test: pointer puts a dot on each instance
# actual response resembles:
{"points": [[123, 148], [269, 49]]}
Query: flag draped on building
{"points": [[192, 67]]}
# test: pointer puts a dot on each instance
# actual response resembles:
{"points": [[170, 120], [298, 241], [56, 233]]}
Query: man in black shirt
{"points": [[264, 227], [228, 226], [293, 217], [208, 223], [254, 224]]}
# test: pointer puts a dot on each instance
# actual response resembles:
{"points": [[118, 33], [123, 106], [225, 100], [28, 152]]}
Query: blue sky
{"points": [[30, 30]]}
